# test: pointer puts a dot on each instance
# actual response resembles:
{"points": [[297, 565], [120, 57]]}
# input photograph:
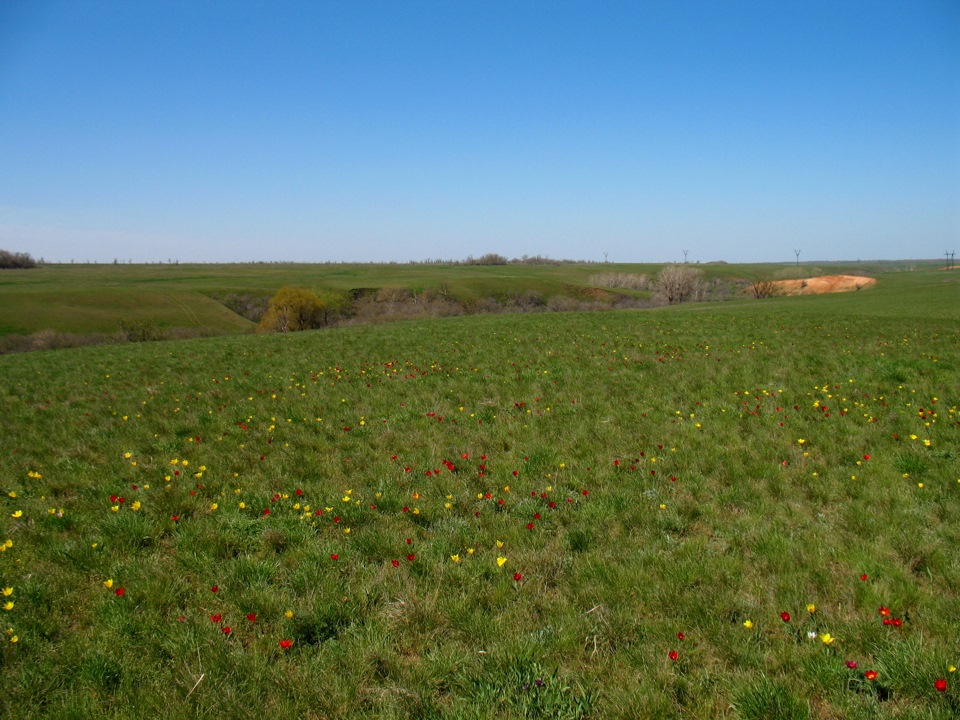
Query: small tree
{"points": [[679, 283], [293, 309]]}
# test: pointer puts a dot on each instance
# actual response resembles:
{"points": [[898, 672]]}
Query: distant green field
{"points": [[96, 298], [748, 509]]}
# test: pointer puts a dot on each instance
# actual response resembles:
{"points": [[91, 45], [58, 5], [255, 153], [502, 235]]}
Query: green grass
{"points": [[96, 298], [408, 436]]}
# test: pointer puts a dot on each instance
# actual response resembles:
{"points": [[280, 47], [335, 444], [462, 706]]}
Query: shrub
{"points": [[141, 330], [293, 309], [488, 259], [765, 289], [627, 281], [679, 283]]}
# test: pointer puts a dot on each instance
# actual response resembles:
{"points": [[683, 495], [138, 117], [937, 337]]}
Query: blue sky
{"points": [[404, 130]]}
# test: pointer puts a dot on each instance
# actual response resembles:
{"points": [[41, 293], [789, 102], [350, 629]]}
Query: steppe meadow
{"points": [[740, 509]]}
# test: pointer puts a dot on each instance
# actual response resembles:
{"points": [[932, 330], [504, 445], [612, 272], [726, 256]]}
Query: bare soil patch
{"points": [[824, 284]]}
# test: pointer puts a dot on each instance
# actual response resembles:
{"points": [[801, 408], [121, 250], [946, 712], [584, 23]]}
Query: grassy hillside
{"points": [[96, 298], [740, 510]]}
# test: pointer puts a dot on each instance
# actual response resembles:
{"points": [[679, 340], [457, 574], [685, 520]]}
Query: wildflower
{"points": [[8, 606], [748, 624], [940, 684], [518, 577], [870, 675], [852, 664], [108, 583], [673, 655], [252, 617], [16, 513], [286, 644], [785, 616], [811, 608], [811, 635], [827, 639], [216, 618], [227, 630], [215, 589], [455, 558], [288, 614], [120, 592], [501, 560], [7, 591], [884, 611]]}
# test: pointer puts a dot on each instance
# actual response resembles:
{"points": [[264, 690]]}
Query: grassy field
{"points": [[746, 510], [97, 298]]}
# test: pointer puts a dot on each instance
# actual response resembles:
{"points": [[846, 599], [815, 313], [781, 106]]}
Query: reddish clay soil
{"points": [[825, 284]]}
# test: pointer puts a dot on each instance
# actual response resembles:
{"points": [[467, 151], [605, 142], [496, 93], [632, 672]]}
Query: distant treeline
{"points": [[16, 260], [487, 259], [497, 259]]}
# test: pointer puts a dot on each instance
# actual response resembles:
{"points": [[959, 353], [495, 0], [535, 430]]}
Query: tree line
{"points": [[16, 260]]}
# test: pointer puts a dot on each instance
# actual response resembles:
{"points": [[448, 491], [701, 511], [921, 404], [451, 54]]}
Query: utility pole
{"points": [[605, 254], [685, 256], [949, 255], [797, 253]]}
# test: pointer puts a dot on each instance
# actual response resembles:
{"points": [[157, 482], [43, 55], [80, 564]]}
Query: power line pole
{"points": [[797, 253], [685, 256], [949, 255]]}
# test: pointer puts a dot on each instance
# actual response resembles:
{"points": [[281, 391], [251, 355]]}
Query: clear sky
{"points": [[395, 130]]}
